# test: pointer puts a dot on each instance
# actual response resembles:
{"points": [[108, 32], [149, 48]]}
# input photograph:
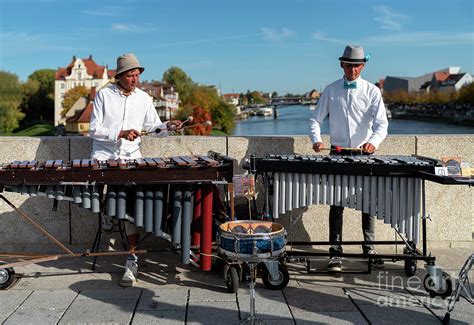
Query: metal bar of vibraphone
{"points": [[380, 198], [409, 222], [417, 214], [176, 216], [121, 201], [323, 189], [366, 195], [296, 191], [276, 194], [289, 192], [310, 189], [330, 190], [388, 200], [395, 202], [403, 205], [139, 206], [148, 209], [337, 190], [158, 204], [302, 190], [423, 215], [282, 192]]}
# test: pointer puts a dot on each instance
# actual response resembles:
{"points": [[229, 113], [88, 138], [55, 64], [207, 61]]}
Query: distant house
{"points": [[416, 84], [453, 83], [80, 72], [79, 115], [165, 98], [231, 98]]}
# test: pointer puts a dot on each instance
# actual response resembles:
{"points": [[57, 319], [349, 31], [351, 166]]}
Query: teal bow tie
{"points": [[350, 85]]}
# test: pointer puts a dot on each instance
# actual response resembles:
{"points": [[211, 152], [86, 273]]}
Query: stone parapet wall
{"points": [[450, 207]]}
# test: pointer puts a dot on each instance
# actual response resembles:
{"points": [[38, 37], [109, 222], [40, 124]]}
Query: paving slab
{"points": [[164, 300], [10, 300], [49, 299], [171, 317], [269, 305], [34, 316], [305, 317], [205, 312]]}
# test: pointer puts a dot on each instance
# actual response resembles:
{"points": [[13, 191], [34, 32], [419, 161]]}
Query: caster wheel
{"points": [[410, 267], [443, 292], [232, 279], [7, 276], [282, 279]]}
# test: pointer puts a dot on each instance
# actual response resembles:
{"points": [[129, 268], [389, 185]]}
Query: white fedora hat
{"points": [[127, 62], [354, 54]]}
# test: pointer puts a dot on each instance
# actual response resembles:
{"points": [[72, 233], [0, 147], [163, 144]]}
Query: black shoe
{"points": [[376, 262]]}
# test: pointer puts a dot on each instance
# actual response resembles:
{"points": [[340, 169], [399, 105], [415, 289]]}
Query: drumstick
{"points": [[340, 149], [157, 131]]}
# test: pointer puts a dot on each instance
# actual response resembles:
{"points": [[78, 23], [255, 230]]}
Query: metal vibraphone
{"points": [[387, 187], [392, 188], [169, 197]]}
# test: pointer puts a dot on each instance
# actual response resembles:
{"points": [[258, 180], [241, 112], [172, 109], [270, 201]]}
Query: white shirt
{"points": [[356, 116], [114, 112]]}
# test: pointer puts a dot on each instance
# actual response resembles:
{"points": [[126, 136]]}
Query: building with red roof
{"points": [[80, 72]]}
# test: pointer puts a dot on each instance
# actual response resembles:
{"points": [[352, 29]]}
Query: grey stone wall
{"points": [[450, 207]]}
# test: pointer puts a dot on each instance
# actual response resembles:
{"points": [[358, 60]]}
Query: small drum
{"points": [[251, 241]]}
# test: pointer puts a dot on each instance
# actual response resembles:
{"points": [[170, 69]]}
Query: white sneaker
{"points": [[335, 264], [107, 224], [131, 272]]}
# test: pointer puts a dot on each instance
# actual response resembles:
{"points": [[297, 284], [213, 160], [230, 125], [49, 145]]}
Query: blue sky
{"points": [[268, 45]]}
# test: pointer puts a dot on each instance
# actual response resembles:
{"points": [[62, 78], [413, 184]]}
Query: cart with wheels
{"points": [[247, 244]]}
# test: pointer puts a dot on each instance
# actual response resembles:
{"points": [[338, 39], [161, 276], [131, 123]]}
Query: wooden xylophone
{"points": [[388, 187], [170, 197]]}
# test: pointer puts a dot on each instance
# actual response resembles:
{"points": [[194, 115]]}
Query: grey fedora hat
{"points": [[353, 54], [127, 62]]}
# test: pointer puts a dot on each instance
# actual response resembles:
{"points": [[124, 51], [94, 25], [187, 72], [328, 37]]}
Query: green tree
{"points": [[72, 96], [223, 115], [177, 77], [11, 95], [466, 94], [40, 104]]}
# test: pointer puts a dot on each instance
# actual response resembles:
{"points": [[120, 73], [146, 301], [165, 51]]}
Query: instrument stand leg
{"points": [[96, 244], [462, 284], [252, 318]]}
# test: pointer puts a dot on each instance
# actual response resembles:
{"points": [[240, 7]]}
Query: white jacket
{"points": [[114, 112]]}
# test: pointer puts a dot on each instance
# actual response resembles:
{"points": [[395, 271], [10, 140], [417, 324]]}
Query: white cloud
{"points": [[24, 42], [388, 18], [424, 38], [105, 12], [272, 34], [133, 28], [320, 36]]}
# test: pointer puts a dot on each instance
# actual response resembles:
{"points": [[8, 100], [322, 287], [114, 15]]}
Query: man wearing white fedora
{"points": [[357, 119], [121, 111]]}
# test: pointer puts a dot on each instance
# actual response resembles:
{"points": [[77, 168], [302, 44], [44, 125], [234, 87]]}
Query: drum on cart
{"points": [[253, 242]]}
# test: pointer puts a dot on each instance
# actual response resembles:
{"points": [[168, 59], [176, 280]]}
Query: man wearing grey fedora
{"points": [[357, 119], [121, 111]]}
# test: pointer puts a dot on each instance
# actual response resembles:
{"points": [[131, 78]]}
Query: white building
{"points": [[80, 72], [165, 98]]}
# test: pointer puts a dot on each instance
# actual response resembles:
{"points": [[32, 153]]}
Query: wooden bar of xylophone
{"points": [[142, 191], [388, 187]]}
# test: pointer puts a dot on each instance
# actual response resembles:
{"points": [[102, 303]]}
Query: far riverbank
{"points": [[294, 120]]}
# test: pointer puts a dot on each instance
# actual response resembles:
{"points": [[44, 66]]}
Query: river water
{"points": [[294, 120]]}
